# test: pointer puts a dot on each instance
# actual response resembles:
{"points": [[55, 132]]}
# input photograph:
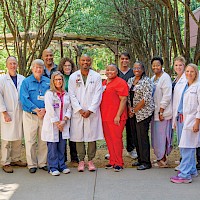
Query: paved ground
{"points": [[129, 184]]}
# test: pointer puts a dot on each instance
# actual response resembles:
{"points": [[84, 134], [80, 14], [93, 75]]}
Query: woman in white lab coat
{"points": [[178, 86], [56, 122], [190, 105]]}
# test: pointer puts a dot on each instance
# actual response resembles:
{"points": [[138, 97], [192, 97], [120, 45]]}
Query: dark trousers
{"points": [[198, 155], [130, 143], [73, 151], [56, 154], [141, 139]]}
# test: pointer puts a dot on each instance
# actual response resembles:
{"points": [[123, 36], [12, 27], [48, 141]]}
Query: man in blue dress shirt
{"points": [[32, 93]]}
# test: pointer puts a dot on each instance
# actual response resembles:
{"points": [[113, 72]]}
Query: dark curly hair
{"points": [[63, 61], [159, 59]]}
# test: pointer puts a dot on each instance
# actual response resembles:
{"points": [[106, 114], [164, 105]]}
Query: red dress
{"points": [[109, 108]]}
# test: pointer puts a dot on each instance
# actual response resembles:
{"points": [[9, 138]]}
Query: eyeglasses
{"points": [[137, 68], [58, 79]]}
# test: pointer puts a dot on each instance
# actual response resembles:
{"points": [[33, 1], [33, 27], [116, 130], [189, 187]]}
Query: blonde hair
{"points": [[52, 85], [181, 59], [195, 67]]}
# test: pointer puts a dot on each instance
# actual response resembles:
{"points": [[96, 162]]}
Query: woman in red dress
{"points": [[114, 115]]}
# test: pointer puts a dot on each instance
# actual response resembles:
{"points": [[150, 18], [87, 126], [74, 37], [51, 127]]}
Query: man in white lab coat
{"points": [[85, 90], [11, 116]]}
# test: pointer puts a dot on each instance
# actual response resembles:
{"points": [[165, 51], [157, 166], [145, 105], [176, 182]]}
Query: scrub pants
{"points": [[179, 129], [188, 163], [56, 154], [113, 137]]}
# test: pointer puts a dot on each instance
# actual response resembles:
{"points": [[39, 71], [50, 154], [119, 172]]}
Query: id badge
{"points": [[40, 98]]}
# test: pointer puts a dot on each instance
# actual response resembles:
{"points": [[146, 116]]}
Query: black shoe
{"points": [[135, 164], [45, 168], [32, 170], [108, 166], [118, 168], [198, 166], [143, 167]]}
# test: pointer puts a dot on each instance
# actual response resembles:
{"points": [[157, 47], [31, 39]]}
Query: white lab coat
{"points": [[163, 97], [50, 132], [178, 90], [86, 97], [191, 111], [9, 101]]}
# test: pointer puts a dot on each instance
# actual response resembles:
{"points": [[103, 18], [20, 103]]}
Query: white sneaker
{"points": [[55, 173], [177, 168], [107, 156], [66, 171], [132, 154]]}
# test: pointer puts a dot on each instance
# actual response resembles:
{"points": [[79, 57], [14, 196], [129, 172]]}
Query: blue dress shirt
{"points": [[32, 91]]}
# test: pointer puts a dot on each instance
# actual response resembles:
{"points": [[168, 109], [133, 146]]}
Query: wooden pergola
{"points": [[66, 40]]}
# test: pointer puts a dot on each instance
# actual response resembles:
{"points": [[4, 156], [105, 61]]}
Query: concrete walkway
{"points": [[129, 184]]}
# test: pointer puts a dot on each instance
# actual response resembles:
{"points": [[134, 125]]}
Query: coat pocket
{"points": [[189, 122]]}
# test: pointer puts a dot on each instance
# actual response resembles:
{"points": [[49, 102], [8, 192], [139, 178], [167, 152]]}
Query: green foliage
{"points": [[101, 57], [3, 55]]}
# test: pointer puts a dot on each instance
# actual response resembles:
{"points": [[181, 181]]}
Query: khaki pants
{"points": [[32, 133], [10, 151], [91, 150]]}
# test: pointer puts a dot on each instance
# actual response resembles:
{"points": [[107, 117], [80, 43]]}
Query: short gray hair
{"points": [[37, 62]]}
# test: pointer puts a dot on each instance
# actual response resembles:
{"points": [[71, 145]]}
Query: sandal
{"points": [[161, 164]]}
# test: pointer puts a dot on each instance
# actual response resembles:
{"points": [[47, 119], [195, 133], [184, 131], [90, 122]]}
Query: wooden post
{"points": [[61, 48], [117, 53]]}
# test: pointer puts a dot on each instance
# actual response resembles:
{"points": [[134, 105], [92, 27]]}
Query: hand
{"points": [[41, 113], [81, 112], [7, 117], [130, 112], [131, 115], [61, 125], [86, 114], [65, 119], [196, 127], [117, 120], [161, 118]]}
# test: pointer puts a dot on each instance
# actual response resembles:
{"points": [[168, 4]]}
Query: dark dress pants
{"points": [[130, 143], [73, 151], [141, 139]]}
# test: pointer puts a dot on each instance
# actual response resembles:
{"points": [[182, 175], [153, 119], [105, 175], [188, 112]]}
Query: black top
{"points": [[14, 79], [126, 76], [51, 72]]}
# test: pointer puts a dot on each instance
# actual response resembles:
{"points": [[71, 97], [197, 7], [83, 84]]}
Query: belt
{"points": [[33, 113]]}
